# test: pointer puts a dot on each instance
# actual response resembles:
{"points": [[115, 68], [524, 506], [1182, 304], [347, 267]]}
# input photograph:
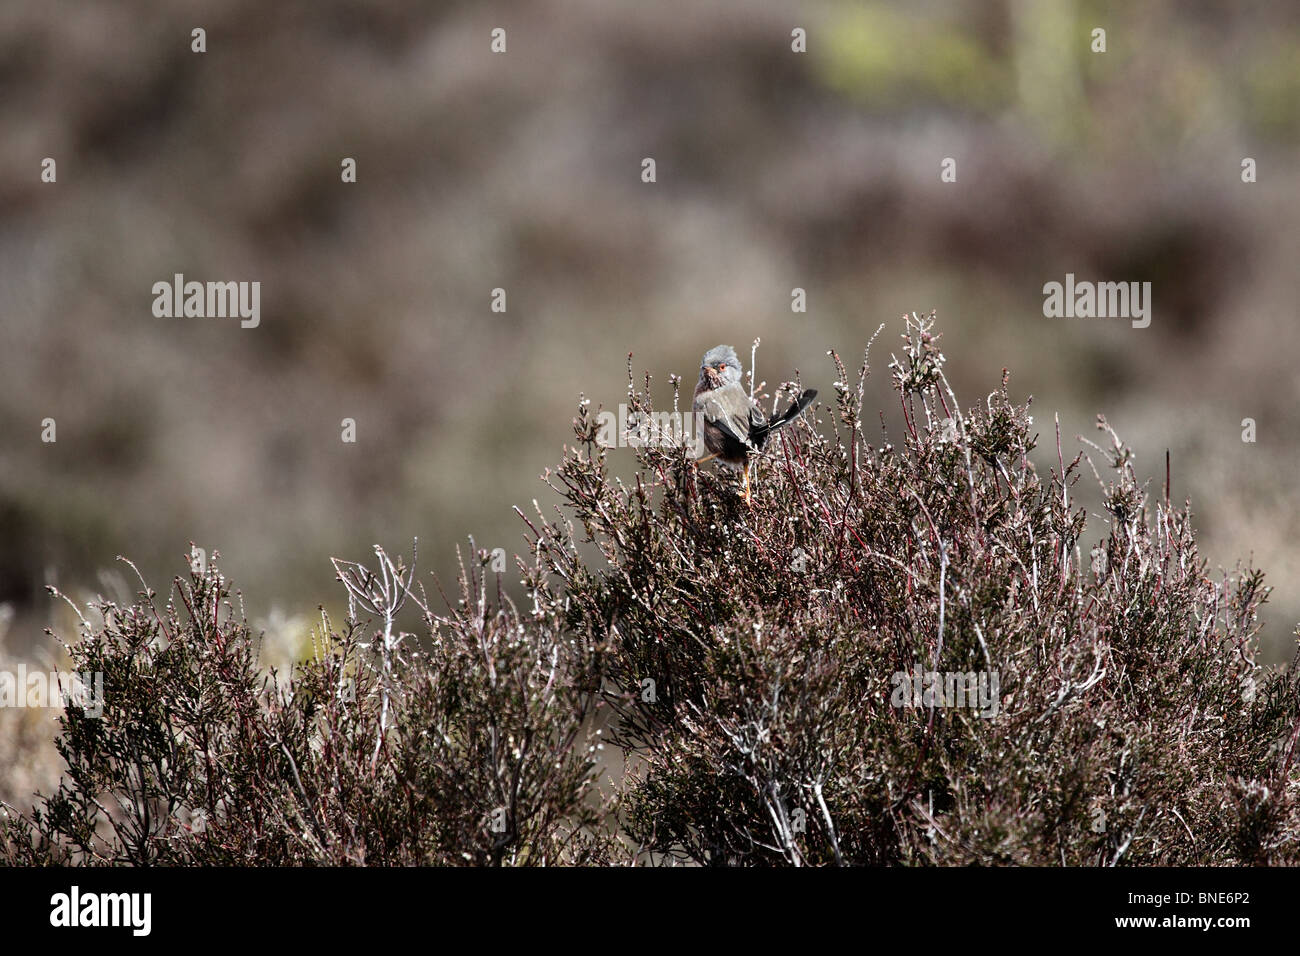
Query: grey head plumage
{"points": [[723, 355], [719, 355]]}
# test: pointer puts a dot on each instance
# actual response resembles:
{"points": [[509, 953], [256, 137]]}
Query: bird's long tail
{"points": [[794, 411]]}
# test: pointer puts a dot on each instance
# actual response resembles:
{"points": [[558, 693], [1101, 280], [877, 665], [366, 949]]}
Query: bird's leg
{"points": [[700, 461], [748, 500]]}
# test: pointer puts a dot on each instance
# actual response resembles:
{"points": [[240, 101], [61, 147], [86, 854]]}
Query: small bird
{"points": [[735, 428]]}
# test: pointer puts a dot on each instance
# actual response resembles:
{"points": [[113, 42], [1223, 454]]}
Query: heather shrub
{"points": [[472, 748], [904, 651], [760, 651]]}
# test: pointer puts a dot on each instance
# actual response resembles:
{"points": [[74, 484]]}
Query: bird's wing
{"points": [[730, 409]]}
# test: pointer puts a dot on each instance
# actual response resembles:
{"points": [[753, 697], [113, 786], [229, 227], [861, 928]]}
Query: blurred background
{"points": [[522, 171]]}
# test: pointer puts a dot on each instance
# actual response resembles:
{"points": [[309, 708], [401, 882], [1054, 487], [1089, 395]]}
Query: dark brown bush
{"points": [[750, 657], [473, 750], [1132, 727]]}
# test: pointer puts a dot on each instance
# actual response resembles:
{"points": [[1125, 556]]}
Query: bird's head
{"points": [[720, 366]]}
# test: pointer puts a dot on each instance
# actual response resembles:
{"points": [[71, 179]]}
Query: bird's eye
{"points": [[722, 367]]}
